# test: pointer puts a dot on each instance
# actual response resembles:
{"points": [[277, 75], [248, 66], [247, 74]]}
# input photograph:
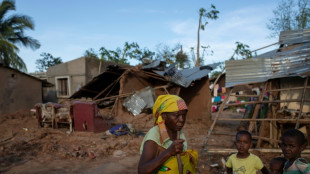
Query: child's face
{"points": [[276, 167], [243, 143], [291, 148]]}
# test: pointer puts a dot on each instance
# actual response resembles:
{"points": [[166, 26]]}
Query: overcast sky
{"points": [[67, 28]]}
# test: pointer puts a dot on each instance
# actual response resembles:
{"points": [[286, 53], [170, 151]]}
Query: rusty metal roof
{"points": [[293, 60]]}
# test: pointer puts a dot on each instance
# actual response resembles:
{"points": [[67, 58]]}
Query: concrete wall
{"points": [[80, 71], [18, 91]]}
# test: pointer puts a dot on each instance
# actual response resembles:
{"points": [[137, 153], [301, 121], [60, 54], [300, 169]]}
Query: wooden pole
{"points": [[104, 90], [267, 101], [180, 165], [217, 78], [263, 150], [264, 47], [302, 103], [261, 119], [215, 119], [270, 140], [286, 89], [257, 107]]}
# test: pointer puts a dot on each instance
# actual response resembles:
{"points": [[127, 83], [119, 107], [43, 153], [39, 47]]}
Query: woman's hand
{"points": [[176, 147]]}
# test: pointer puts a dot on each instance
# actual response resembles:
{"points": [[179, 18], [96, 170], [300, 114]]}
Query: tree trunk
{"points": [[198, 43], [100, 67]]}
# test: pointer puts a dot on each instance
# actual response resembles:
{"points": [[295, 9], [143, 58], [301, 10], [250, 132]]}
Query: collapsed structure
{"points": [[283, 98], [127, 94]]}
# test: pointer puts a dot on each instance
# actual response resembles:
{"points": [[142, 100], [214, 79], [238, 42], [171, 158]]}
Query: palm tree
{"points": [[11, 33]]}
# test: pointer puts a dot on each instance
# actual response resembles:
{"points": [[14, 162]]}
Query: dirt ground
{"points": [[27, 148]]}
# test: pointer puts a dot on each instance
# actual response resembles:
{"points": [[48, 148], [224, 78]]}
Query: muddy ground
{"points": [[27, 148]]}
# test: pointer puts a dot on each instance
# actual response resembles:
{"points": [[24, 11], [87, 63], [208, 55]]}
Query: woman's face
{"points": [[175, 120]]}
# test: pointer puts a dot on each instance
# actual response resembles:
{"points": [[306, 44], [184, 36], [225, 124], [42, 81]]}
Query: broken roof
{"points": [[292, 60], [185, 77], [95, 88]]}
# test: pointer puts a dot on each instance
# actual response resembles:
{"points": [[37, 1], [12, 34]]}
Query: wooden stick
{"points": [[267, 139], [267, 101], [244, 95], [307, 151], [215, 119], [180, 165], [286, 89], [265, 47], [217, 78], [260, 119], [105, 89], [301, 104], [257, 107]]}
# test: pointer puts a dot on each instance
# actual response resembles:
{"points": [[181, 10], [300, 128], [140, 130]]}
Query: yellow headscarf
{"points": [[166, 103]]}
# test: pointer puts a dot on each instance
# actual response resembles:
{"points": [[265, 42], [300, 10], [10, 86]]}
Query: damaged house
{"points": [[283, 100], [126, 95]]}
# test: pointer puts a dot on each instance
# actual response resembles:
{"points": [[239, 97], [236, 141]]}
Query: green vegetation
{"points": [[47, 61], [290, 15]]}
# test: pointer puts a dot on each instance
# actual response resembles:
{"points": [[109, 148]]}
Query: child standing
{"points": [[277, 165], [293, 143], [244, 162]]}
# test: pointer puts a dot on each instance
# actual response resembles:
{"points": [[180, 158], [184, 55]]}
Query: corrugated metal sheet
{"points": [[140, 100], [186, 76], [293, 37], [292, 61]]}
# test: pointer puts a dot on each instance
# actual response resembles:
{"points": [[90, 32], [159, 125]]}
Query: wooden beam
{"points": [[266, 139], [227, 150], [286, 89], [261, 119], [111, 84], [244, 95], [267, 101]]}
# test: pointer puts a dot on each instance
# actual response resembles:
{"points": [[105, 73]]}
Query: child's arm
{"points": [[229, 170], [264, 170]]}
